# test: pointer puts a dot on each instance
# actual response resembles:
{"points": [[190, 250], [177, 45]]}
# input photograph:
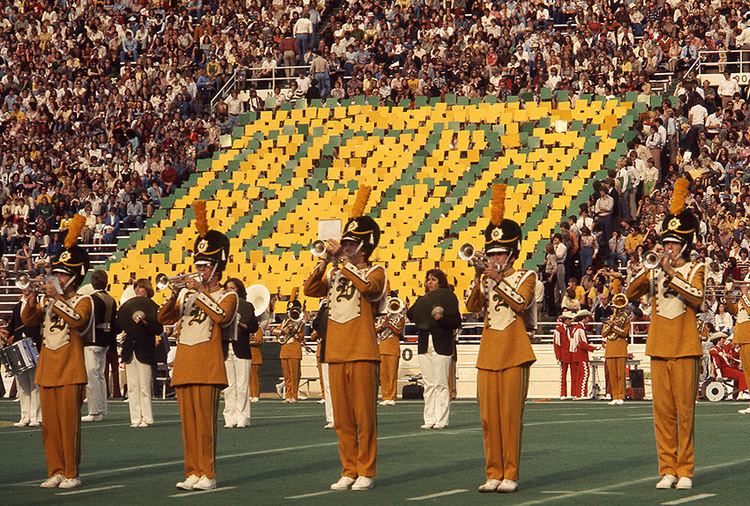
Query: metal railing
{"points": [[737, 62]]}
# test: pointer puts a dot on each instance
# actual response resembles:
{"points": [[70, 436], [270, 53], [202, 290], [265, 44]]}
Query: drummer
{"points": [[28, 390]]}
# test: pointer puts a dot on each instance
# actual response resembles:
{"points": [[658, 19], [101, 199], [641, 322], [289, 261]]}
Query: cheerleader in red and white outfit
{"points": [[580, 348]]}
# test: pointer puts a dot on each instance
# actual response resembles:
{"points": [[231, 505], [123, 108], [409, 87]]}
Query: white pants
{"points": [[95, 358], [28, 395], [140, 385], [237, 394], [437, 395], [327, 392]]}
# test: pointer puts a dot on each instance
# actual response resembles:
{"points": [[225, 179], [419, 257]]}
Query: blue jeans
{"points": [[302, 44], [324, 83]]}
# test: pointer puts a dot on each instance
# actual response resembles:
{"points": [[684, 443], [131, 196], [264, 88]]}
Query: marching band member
{"points": [[435, 352], [139, 352], [291, 334], [355, 289], [61, 372], [741, 310], [390, 330], [256, 361], [561, 343], [95, 352], [579, 355], [202, 308], [505, 354], [319, 326], [615, 333], [673, 343], [237, 359], [28, 390]]}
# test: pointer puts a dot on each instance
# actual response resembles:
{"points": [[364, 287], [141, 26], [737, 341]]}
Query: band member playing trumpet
{"points": [[390, 329], [139, 351], [741, 310], [61, 372], [355, 289], [676, 286], [505, 354], [615, 334], [237, 359], [28, 390], [291, 334], [201, 308]]}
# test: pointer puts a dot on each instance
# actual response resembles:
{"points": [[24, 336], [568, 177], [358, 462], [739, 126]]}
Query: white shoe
{"points": [[321, 401], [254, 399], [489, 486], [392, 402], [383, 403], [135, 425], [242, 425], [344, 483], [142, 424], [619, 402], [34, 424], [189, 482], [667, 481], [230, 425], [70, 483], [745, 411], [363, 483], [440, 426], [612, 403], [684, 483], [292, 401], [53, 481], [329, 425], [92, 418], [507, 486], [562, 398], [427, 426], [205, 483], [20, 424]]}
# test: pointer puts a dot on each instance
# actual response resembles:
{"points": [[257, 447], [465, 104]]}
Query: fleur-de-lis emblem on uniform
{"points": [[352, 226]]}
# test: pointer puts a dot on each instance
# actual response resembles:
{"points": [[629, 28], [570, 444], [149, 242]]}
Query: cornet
{"points": [[24, 282], [162, 281], [469, 253], [318, 249], [651, 260]]}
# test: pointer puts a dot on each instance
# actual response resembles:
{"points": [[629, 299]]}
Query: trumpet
{"points": [[288, 331], [24, 281], [318, 249], [469, 253], [651, 260], [162, 281]]}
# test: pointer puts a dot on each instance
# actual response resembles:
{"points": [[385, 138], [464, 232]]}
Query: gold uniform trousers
{"points": [[61, 428], [745, 359], [255, 380], [291, 370], [199, 407], [354, 389], [616, 373], [502, 395], [674, 386], [389, 377]]}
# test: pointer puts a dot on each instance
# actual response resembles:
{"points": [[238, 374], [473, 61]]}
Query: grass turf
{"points": [[573, 453]]}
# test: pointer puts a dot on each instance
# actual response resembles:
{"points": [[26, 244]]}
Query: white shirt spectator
{"points": [[728, 87], [698, 115], [302, 26]]}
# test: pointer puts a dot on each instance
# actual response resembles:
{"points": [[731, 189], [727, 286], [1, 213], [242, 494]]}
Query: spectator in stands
{"points": [[134, 216], [23, 258]]}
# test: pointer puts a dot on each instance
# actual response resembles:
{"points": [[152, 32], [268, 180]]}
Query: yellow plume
{"points": [[363, 193], [74, 230], [498, 203], [678, 196], [201, 223], [293, 295]]}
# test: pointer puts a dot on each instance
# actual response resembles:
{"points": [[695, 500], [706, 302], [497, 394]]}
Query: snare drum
{"points": [[19, 357]]}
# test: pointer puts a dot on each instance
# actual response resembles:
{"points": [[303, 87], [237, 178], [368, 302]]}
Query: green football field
{"points": [[573, 453]]}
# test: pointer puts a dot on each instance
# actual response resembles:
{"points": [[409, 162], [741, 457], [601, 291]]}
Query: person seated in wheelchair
{"points": [[726, 362]]}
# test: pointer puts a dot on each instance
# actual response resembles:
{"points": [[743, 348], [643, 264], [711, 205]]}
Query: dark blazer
{"points": [[248, 325], [141, 341], [105, 319], [442, 333], [320, 325]]}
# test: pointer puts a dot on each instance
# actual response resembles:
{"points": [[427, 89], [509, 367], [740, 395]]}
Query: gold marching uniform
{"points": [[256, 362], [354, 293], [505, 353], [199, 374], [61, 372], [615, 334], [674, 345], [741, 310], [390, 352], [291, 358]]}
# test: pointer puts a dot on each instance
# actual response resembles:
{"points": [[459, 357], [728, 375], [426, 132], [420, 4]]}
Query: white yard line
{"points": [[690, 499], [199, 492], [89, 490], [438, 494], [311, 494]]}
